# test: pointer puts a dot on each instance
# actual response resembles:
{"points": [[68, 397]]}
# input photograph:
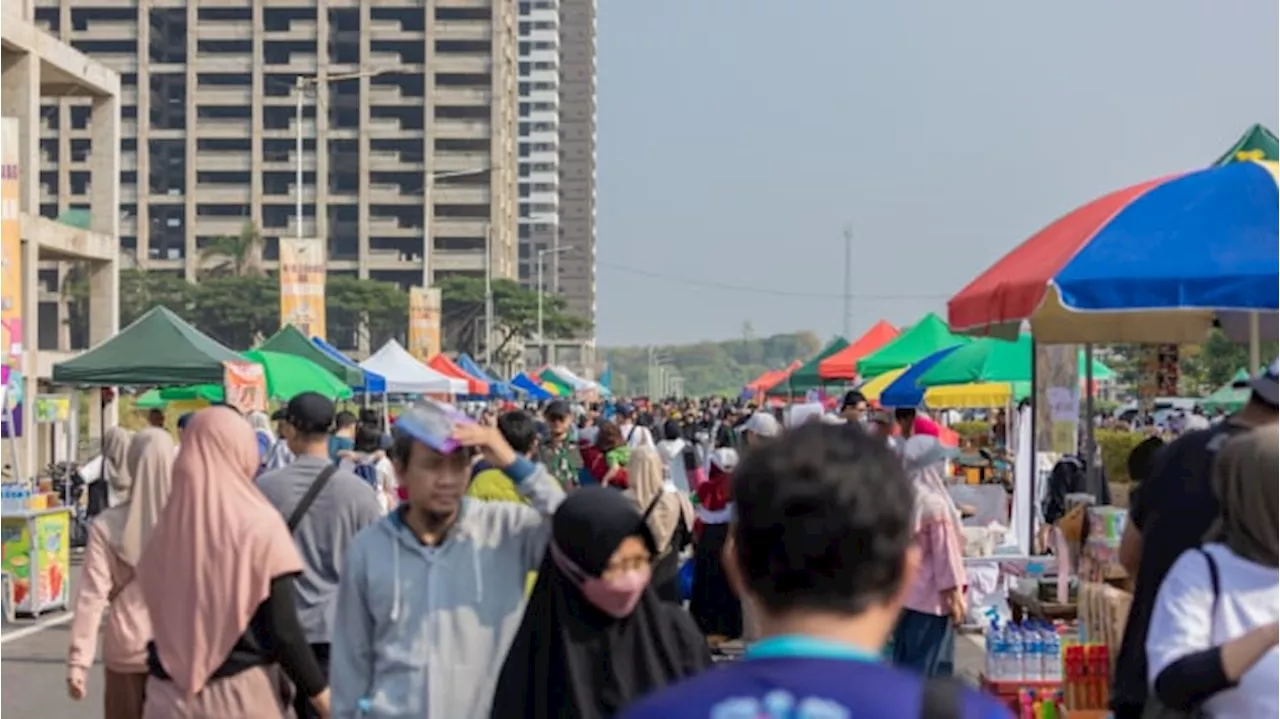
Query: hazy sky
{"points": [[737, 137]]}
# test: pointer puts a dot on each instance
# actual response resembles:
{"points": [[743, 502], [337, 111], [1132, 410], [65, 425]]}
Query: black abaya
{"points": [[713, 605], [568, 658]]}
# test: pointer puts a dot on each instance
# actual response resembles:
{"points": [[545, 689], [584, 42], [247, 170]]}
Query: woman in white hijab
{"points": [[116, 539], [669, 515]]}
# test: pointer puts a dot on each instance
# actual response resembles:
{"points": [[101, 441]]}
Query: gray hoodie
{"points": [[422, 631]]}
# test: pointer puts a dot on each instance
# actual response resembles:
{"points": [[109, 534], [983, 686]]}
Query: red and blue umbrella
{"points": [[1157, 262]]}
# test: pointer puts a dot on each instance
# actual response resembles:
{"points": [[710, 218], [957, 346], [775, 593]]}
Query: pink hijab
{"points": [[211, 557]]}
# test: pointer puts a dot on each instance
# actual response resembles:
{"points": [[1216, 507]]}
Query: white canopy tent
{"points": [[406, 375], [579, 384]]}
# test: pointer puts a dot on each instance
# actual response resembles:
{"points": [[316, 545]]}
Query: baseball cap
{"points": [[1266, 385], [761, 423], [310, 413]]}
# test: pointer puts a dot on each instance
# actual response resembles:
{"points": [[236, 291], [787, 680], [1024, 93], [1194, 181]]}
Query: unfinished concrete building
{"points": [[37, 69], [408, 129]]}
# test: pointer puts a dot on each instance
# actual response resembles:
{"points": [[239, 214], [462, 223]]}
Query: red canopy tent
{"points": [[844, 364], [449, 368], [773, 378]]}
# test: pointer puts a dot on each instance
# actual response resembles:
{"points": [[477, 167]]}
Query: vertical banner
{"points": [[244, 386], [1057, 398], [10, 248], [302, 273], [424, 322]]}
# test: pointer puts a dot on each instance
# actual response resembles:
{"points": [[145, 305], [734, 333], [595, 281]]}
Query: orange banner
{"points": [[244, 386], [302, 273], [10, 248], [424, 322]]}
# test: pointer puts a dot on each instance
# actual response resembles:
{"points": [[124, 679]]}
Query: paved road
{"points": [[34, 668]]}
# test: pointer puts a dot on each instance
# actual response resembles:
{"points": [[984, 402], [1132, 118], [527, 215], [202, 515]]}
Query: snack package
{"points": [[432, 423]]}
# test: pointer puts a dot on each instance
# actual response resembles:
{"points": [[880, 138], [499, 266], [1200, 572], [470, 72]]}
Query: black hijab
{"points": [[569, 659]]}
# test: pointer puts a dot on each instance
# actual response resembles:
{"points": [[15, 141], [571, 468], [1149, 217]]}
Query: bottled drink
{"points": [[1032, 648], [1015, 653], [1051, 659], [994, 654]]}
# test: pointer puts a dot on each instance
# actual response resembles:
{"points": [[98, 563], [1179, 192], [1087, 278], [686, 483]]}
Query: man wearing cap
{"points": [[325, 507], [1170, 513], [759, 426], [278, 455]]}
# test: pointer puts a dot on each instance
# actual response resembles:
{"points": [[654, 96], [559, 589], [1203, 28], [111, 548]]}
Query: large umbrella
{"points": [[1157, 262], [449, 368], [1230, 396], [844, 364], [287, 375], [805, 377]]}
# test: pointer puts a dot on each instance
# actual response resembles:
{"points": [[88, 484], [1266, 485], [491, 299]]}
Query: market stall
{"points": [[35, 550], [404, 374]]}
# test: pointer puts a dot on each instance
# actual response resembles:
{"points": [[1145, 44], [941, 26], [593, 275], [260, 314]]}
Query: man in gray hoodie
{"points": [[431, 596]]}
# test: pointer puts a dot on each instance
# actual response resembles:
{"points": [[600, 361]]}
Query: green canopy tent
{"points": [[287, 376], [922, 339], [563, 388], [289, 340], [994, 360], [1231, 396], [1257, 143], [806, 377], [159, 348]]}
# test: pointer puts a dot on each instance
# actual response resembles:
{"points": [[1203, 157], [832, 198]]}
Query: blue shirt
{"points": [[796, 677]]}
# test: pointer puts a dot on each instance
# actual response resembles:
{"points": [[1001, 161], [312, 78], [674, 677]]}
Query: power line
{"points": [[702, 283]]}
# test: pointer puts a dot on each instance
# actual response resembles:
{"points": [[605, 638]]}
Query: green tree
{"points": [[352, 306], [1214, 363], [236, 310], [515, 315], [238, 255]]}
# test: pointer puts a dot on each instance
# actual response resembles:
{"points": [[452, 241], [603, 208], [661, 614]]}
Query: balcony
{"points": [[298, 30], [461, 96], [225, 96], [224, 194], [459, 195], [289, 165], [448, 63], [455, 261], [224, 161], [463, 30], [222, 62], [390, 161], [458, 161], [222, 128], [462, 129], [226, 30], [475, 227]]}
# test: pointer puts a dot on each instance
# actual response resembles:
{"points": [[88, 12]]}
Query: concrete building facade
{"points": [[557, 149], [38, 69], [413, 102]]}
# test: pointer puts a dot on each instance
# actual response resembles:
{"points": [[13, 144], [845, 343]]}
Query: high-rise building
{"points": [[408, 129], [557, 149]]}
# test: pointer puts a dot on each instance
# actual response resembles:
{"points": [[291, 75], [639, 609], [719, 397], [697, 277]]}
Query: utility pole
{"points": [[848, 282]]}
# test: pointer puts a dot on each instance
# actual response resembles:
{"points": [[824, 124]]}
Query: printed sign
{"points": [[10, 248], [424, 322], [52, 408], [244, 386], [302, 275]]}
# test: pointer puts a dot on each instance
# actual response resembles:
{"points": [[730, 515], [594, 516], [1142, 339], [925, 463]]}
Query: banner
{"points": [[302, 273], [10, 248], [244, 386], [424, 322], [1057, 398]]}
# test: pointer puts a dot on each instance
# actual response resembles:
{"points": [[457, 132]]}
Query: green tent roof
{"points": [[924, 338], [157, 349], [1229, 397], [1257, 143], [805, 377], [290, 341], [287, 376], [995, 360]]}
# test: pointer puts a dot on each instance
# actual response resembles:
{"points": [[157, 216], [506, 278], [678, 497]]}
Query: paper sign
{"points": [[244, 386]]}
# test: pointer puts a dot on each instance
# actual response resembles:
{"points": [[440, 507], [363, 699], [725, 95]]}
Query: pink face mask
{"points": [[617, 596]]}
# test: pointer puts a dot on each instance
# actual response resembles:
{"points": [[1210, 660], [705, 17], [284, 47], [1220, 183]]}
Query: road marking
{"points": [[24, 632]]}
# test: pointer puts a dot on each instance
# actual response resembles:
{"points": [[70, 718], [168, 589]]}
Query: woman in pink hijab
{"points": [[108, 583], [217, 577]]}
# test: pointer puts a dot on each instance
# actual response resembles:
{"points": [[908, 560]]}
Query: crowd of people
{"points": [[531, 562]]}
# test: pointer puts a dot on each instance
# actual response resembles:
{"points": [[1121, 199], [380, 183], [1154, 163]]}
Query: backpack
{"points": [[368, 471]]}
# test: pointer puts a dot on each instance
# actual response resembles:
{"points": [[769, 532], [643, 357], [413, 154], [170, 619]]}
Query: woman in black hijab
{"points": [[595, 637]]}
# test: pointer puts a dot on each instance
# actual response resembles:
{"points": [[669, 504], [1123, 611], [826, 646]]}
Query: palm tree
{"points": [[239, 255]]}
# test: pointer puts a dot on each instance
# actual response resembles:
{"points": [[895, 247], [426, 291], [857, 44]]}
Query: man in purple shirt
{"points": [[823, 550]]}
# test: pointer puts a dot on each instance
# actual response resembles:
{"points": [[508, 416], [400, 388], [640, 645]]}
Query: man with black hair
{"points": [[823, 549], [325, 507], [343, 440], [854, 407], [1170, 513], [491, 484], [558, 453]]}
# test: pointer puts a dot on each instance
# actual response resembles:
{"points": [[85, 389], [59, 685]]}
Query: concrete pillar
{"points": [[104, 208], [144, 123]]}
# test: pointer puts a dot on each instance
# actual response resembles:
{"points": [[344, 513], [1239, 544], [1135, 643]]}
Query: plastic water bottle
{"points": [[995, 653], [1015, 653], [1033, 650], [1051, 659]]}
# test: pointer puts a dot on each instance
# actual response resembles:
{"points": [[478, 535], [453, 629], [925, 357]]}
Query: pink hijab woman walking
{"points": [[217, 578], [108, 582]]}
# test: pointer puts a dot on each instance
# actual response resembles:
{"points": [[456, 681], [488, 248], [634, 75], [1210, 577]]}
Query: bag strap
{"points": [[310, 497], [940, 698], [1214, 582]]}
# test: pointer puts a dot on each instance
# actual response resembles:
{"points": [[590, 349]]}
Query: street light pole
{"points": [[301, 83], [542, 340]]}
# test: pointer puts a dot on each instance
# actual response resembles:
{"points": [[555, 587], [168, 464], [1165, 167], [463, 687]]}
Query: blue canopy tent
{"points": [[903, 392], [497, 388], [373, 383], [522, 383]]}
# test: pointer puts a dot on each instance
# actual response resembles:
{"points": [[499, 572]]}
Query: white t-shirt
{"points": [[1181, 625], [636, 436]]}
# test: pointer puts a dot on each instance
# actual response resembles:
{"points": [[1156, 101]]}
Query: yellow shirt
{"points": [[493, 485]]}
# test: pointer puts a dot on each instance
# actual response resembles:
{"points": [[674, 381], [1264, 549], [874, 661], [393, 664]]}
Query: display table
{"points": [[35, 552], [1023, 605]]}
